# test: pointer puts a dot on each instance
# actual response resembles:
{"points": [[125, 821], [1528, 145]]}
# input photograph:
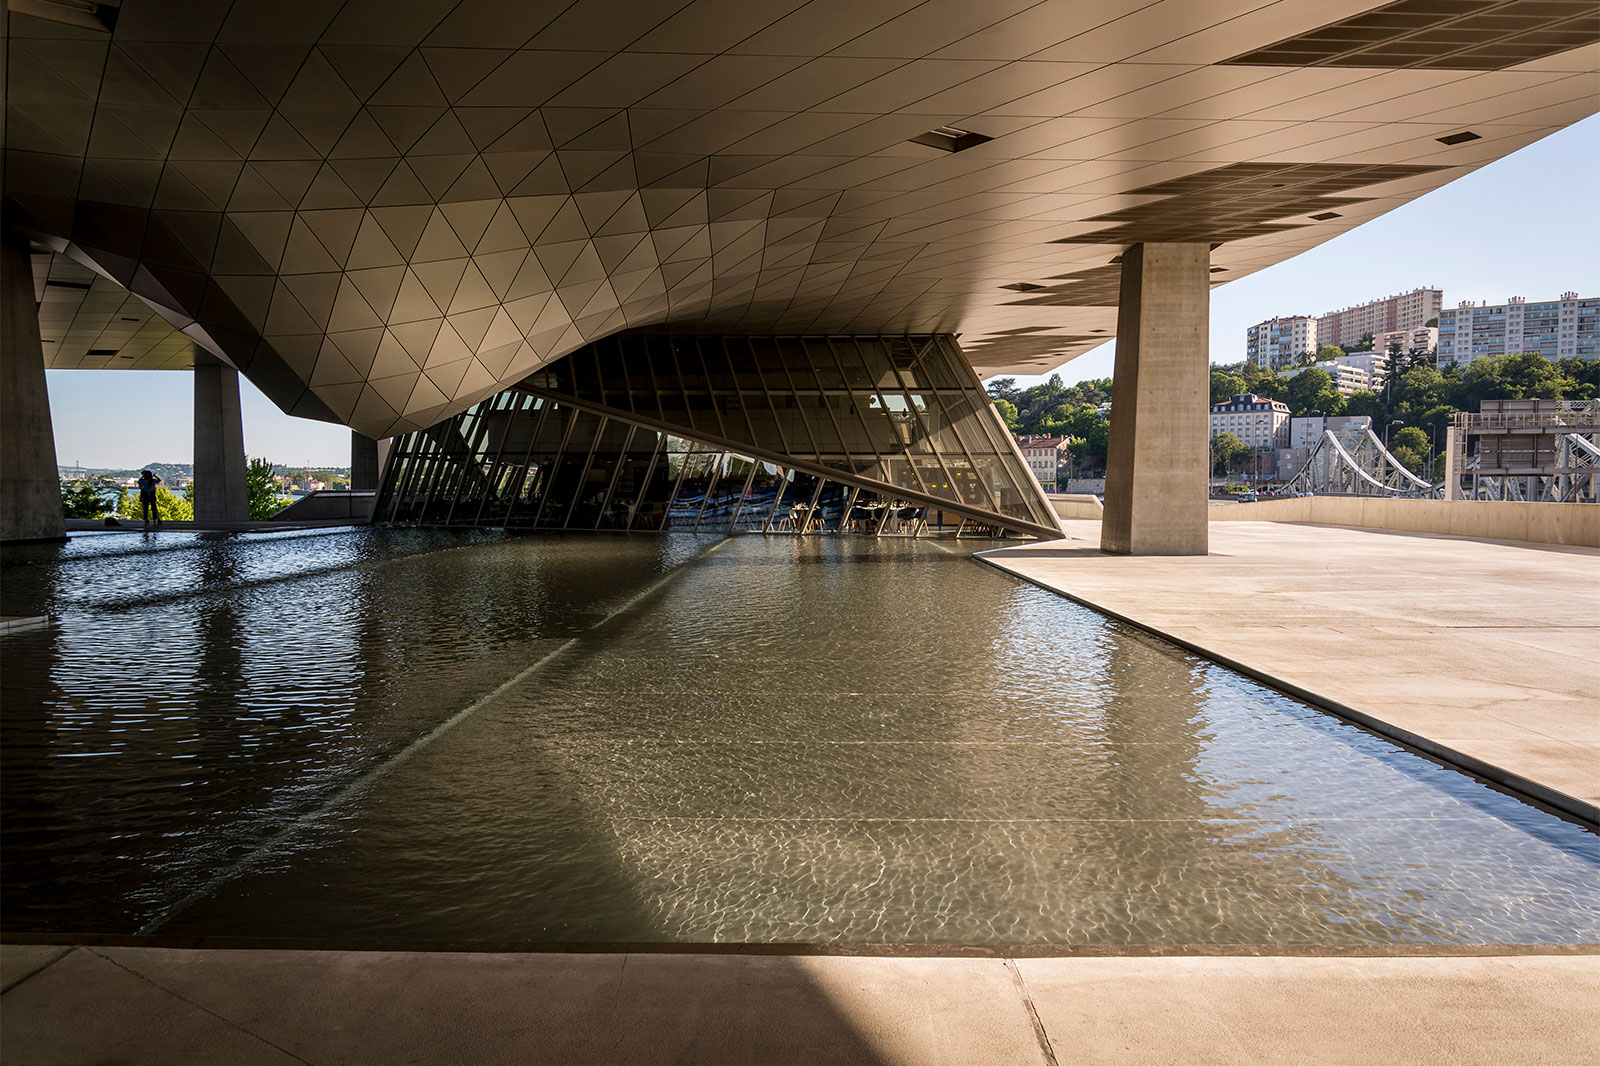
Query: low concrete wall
{"points": [[1075, 506], [318, 506], [1537, 523]]}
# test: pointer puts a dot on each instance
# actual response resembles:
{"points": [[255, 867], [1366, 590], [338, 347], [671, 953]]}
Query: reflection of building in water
{"points": [[728, 434]]}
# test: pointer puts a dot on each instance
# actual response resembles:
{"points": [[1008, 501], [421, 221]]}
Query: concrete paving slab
{"points": [[18, 962], [218, 1007], [1356, 1011], [85, 1008], [387, 1007], [1483, 650]]}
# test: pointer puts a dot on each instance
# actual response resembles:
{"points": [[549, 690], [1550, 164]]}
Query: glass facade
{"points": [[878, 435]]}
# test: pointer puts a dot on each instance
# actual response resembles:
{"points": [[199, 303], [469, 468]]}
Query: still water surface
{"points": [[427, 735]]}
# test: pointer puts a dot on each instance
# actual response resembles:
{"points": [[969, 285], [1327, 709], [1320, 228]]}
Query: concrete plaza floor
{"points": [[219, 1007], [1485, 653]]}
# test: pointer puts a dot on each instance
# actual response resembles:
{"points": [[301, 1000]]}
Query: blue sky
{"points": [[1527, 225]]}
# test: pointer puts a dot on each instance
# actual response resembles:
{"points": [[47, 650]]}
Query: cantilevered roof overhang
{"points": [[382, 211]]}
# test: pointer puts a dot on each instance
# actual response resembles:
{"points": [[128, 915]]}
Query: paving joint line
{"points": [[39, 969], [230, 1023], [1033, 1013]]}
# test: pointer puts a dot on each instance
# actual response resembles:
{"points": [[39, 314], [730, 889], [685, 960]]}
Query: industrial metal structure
{"points": [[1534, 450], [1353, 462]]}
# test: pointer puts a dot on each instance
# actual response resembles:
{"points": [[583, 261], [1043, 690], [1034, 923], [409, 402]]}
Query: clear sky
{"points": [[1527, 225]]}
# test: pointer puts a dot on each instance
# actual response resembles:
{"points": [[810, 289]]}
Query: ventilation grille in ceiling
{"points": [[950, 139], [1441, 35]]}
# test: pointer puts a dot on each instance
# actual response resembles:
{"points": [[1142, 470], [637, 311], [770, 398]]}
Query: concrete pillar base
{"points": [[30, 486], [1158, 462], [220, 494], [363, 463]]}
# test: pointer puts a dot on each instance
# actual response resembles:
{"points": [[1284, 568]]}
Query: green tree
{"points": [[1004, 389], [1312, 390], [1226, 450], [1584, 375], [1008, 412], [1409, 437], [262, 490], [1263, 382], [85, 497], [1409, 458], [169, 505], [1366, 403], [1225, 387], [1329, 351]]}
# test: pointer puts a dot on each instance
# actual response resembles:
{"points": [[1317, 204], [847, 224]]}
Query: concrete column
{"points": [[1158, 462], [1453, 446], [30, 488], [363, 463], [219, 466]]}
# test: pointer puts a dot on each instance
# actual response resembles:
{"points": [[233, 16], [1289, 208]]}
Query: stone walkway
{"points": [[1480, 652], [220, 1007]]}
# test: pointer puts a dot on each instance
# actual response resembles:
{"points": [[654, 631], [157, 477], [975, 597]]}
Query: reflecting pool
{"points": [[427, 735]]}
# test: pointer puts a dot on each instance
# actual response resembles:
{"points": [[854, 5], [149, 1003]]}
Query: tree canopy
{"points": [[1054, 408]]}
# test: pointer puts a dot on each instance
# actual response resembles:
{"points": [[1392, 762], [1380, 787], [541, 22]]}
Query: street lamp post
{"points": [[1386, 429]]}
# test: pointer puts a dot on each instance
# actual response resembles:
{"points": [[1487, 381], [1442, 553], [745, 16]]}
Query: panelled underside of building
{"points": [[605, 263]]}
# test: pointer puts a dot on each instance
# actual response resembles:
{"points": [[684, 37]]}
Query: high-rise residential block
{"points": [[1279, 341], [1556, 329], [1405, 311]]}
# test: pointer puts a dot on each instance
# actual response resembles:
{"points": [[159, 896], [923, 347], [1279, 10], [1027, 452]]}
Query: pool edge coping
{"points": [[1524, 788], [780, 949]]}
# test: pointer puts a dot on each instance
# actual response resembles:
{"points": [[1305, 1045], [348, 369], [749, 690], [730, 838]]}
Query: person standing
{"points": [[147, 498]]}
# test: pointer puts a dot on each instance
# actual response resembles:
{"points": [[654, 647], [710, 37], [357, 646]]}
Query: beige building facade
{"points": [[1403, 311]]}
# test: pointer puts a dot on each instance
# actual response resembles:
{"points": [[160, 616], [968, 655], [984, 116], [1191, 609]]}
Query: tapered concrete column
{"points": [[30, 488], [220, 493], [363, 463], [1158, 462], [1454, 443]]}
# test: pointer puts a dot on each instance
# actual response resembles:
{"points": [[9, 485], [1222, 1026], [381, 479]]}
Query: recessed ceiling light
{"points": [[950, 139], [1459, 138], [1327, 215]]}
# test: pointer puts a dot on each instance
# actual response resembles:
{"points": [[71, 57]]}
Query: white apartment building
{"points": [[1404, 311], [1556, 329], [1258, 422], [1279, 341], [1375, 364], [1348, 379], [1043, 456], [1411, 341]]}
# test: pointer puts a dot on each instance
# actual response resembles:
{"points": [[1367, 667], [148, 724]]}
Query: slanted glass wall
{"points": [[769, 434]]}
